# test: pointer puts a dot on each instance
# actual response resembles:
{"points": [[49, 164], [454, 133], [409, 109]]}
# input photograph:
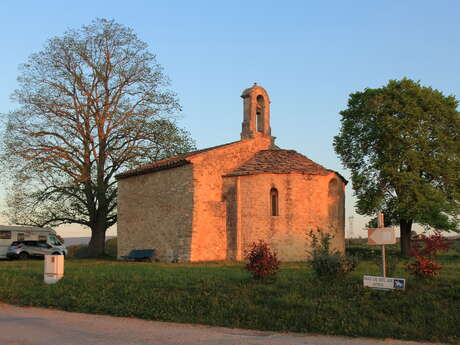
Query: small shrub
{"points": [[456, 246], [263, 262], [327, 262], [111, 247], [424, 268], [361, 251], [424, 250], [82, 252], [391, 263], [74, 250]]}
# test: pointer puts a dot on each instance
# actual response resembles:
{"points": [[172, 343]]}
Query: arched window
{"points": [[333, 188], [260, 113], [274, 202]]}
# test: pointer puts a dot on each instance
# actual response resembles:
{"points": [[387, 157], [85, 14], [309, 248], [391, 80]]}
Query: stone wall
{"points": [[155, 212], [210, 212], [193, 213], [336, 211], [231, 209], [305, 203]]}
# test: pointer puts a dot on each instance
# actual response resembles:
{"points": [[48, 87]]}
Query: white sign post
{"points": [[382, 236]]}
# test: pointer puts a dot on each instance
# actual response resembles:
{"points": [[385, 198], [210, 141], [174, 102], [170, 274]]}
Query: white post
{"points": [[381, 224], [54, 268]]}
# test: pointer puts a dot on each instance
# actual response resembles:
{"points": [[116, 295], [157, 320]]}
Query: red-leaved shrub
{"points": [[262, 261], [424, 250]]}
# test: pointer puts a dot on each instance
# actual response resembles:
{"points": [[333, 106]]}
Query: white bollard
{"points": [[54, 268]]}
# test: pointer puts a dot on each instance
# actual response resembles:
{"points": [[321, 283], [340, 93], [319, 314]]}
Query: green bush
{"points": [[111, 247], [361, 251], [327, 262], [390, 265], [80, 251], [74, 251], [366, 251], [456, 246]]}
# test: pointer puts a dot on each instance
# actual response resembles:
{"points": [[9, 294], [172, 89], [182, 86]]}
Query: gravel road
{"points": [[36, 326]]}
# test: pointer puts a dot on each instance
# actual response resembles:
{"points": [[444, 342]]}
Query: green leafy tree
{"points": [[93, 103], [402, 145]]}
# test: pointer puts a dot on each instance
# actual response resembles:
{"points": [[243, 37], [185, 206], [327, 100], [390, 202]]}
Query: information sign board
{"points": [[381, 236], [384, 283]]}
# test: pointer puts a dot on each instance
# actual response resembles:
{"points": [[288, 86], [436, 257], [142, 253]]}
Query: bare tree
{"points": [[93, 103]]}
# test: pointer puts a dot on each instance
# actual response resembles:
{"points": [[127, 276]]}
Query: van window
{"points": [[54, 241], [5, 235]]}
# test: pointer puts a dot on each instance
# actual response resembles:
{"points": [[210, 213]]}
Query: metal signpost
{"points": [[382, 236]]}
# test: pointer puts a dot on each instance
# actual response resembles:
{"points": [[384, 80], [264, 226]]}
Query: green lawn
{"points": [[223, 294]]}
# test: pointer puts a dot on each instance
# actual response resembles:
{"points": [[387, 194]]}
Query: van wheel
{"points": [[23, 256]]}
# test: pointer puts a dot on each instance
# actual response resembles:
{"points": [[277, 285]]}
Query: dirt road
{"points": [[35, 326]]}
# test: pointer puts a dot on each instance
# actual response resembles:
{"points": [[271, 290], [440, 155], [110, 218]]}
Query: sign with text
{"points": [[384, 283], [381, 236]]}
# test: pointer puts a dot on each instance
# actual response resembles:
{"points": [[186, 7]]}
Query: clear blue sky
{"points": [[308, 55]]}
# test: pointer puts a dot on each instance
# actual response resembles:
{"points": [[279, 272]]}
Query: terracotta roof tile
{"points": [[279, 162], [167, 163]]}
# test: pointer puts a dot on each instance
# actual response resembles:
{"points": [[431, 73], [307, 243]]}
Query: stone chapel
{"points": [[211, 204]]}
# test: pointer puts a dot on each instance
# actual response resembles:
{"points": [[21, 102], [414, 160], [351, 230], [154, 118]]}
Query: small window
{"points": [[260, 114], [42, 237], [54, 241], [21, 236], [260, 126], [274, 202], [333, 188], [5, 235]]}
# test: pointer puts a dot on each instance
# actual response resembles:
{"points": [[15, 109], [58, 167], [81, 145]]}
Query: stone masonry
{"points": [[212, 204]]}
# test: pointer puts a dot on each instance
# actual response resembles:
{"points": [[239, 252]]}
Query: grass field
{"points": [[223, 294]]}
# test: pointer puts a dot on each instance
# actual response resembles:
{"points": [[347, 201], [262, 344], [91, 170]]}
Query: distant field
{"points": [[73, 241], [223, 294]]}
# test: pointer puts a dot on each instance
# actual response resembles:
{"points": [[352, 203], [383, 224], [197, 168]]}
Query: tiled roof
{"points": [[167, 163], [279, 162]]}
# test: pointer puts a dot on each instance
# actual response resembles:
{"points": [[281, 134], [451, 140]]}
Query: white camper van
{"points": [[10, 234]]}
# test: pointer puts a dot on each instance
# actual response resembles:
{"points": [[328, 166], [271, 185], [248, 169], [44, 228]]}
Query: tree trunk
{"points": [[406, 228], [96, 245]]}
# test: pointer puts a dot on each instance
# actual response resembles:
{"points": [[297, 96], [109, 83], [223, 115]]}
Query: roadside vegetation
{"points": [[224, 294], [81, 251], [401, 144]]}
